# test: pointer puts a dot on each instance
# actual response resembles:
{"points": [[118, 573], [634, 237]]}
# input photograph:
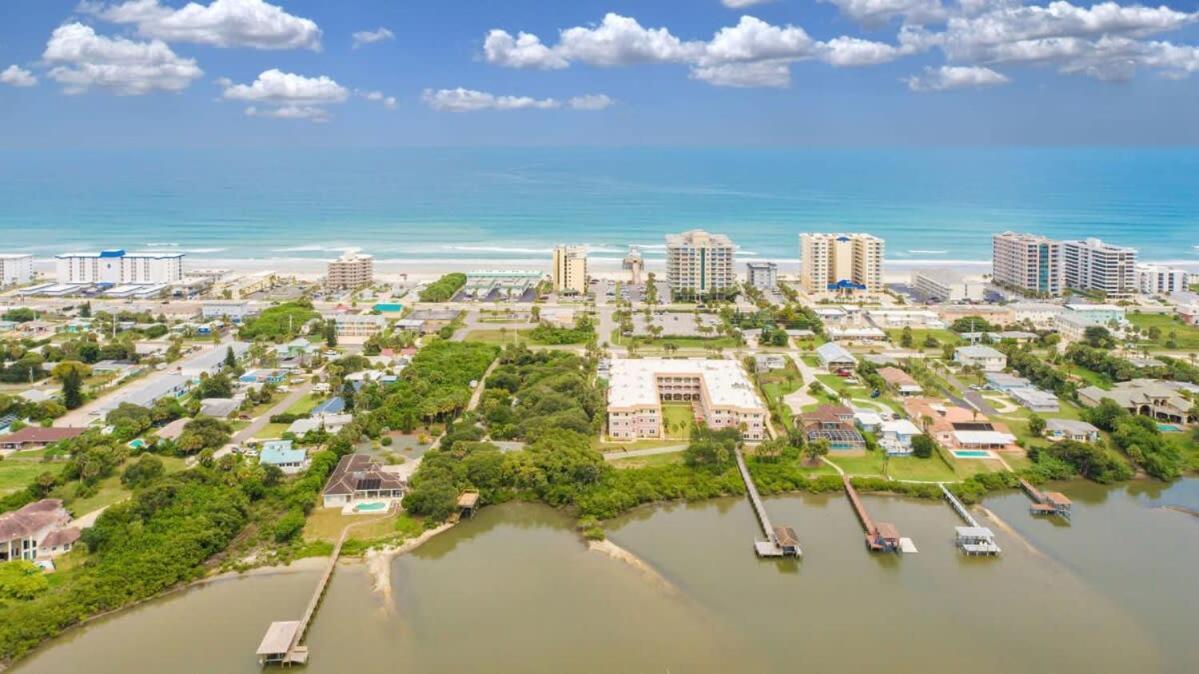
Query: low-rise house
{"points": [[1002, 381], [766, 362], [173, 430], [332, 423], [867, 421], [23, 532], [980, 356], [954, 427], [334, 405], [900, 381], [835, 424], [1147, 397], [357, 477], [835, 357], [59, 542], [896, 436], [1035, 399], [282, 455], [218, 407], [1070, 429], [856, 334], [36, 437]]}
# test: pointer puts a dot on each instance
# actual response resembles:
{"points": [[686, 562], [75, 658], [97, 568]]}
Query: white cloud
{"points": [[80, 59], [591, 102], [851, 51], [372, 36], [223, 23], [621, 40], [754, 74], [955, 77], [17, 77], [523, 51], [741, 4], [275, 86], [753, 39], [876, 13], [287, 95], [308, 112], [388, 102], [469, 100]]}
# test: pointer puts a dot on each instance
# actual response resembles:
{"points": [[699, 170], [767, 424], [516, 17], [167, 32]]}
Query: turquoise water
{"points": [[507, 204], [1168, 428], [387, 307], [370, 507], [971, 453]]}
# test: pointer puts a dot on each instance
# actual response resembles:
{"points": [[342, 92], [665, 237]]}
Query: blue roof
{"points": [[277, 452], [115, 252], [845, 284], [331, 406]]}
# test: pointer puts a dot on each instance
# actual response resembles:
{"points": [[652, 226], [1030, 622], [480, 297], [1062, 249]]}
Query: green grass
{"points": [[932, 469], [1187, 336], [304, 405], [499, 336], [326, 524], [16, 474], [920, 334], [649, 461], [649, 443], [270, 431], [110, 488], [870, 464], [677, 420]]}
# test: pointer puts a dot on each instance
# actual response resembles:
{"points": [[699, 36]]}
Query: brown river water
{"points": [[515, 590]]}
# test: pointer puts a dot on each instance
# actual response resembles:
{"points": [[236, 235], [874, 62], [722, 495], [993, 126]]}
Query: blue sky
{"points": [[251, 73]]}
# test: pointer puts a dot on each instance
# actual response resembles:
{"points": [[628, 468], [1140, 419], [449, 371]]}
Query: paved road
{"points": [[972, 398], [263, 419]]}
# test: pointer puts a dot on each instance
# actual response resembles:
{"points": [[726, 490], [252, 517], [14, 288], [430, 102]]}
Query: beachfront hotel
{"points": [[841, 262], [1091, 264], [351, 272], [1027, 262], [719, 392], [699, 263], [570, 270], [118, 267], [16, 268], [945, 285]]}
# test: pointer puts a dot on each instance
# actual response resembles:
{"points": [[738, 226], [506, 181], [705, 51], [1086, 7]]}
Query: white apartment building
{"points": [[1027, 262], [118, 267], [944, 285], [570, 270], [719, 390], [1091, 264], [357, 326], [762, 275], [351, 272], [700, 263], [1042, 315], [16, 268], [841, 262], [1153, 279]]}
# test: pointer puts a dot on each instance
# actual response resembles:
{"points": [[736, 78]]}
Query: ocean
{"points": [[509, 206]]}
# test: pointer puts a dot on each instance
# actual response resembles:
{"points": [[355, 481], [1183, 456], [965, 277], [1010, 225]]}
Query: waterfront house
{"points": [[1070, 429], [1148, 397], [358, 477], [980, 356], [896, 436], [956, 427], [23, 532], [835, 424]]}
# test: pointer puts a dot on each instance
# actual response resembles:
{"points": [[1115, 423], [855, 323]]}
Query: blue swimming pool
{"points": [[971, 453], [1168, 428], [388, 307], [370, 507]]}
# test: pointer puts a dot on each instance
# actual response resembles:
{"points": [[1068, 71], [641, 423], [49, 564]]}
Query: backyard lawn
{"points": [[932, 469], [648, 461], [304, 405], [677, 420], [326, 524], [15, 474], [870, 464], [271, 431], [920, 334]]}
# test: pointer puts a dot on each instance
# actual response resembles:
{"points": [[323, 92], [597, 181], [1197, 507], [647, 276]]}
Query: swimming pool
{"points": [[388, 307], [370, 507], [137, 444], [972, 453], [1168, 428]]}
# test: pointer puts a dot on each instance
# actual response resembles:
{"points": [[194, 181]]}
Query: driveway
{"points": [[260, 422]]}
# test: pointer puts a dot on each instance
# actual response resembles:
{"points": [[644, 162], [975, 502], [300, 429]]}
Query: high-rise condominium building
{"points": [[117, 267], [1027, 262], [841, 262], [16, 268], [570, 270], [1155, 279], [1091, 264], [762, 275], [351, 272], [634, 263], [700, 263]]}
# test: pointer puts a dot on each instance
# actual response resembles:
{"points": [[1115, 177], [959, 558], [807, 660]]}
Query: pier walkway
{"points": [[880, 536], [1048, 503], [780, 541], [973, 539]]}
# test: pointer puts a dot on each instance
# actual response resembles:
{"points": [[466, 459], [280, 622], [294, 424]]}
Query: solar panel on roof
{"points": [[368, 483]]}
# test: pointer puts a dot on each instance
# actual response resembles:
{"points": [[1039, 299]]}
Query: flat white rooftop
{"points": [[633, 382]]}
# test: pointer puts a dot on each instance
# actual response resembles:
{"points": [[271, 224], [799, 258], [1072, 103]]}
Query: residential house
{"points": [[834, 423], [1035, 399], [835, 357], [956, 427], [980, 356], [59, 542], [1148, 397], [36, 437], [357, 477], [896, 436], [282, 455], [1002, 381], [24, 531], [332, 423], [1070, 429], [900, 381]]}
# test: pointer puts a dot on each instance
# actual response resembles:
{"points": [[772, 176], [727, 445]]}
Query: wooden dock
{"points": [[1047, 503], [880, 536], [780, 541], [973, 539], [283, 642]]}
